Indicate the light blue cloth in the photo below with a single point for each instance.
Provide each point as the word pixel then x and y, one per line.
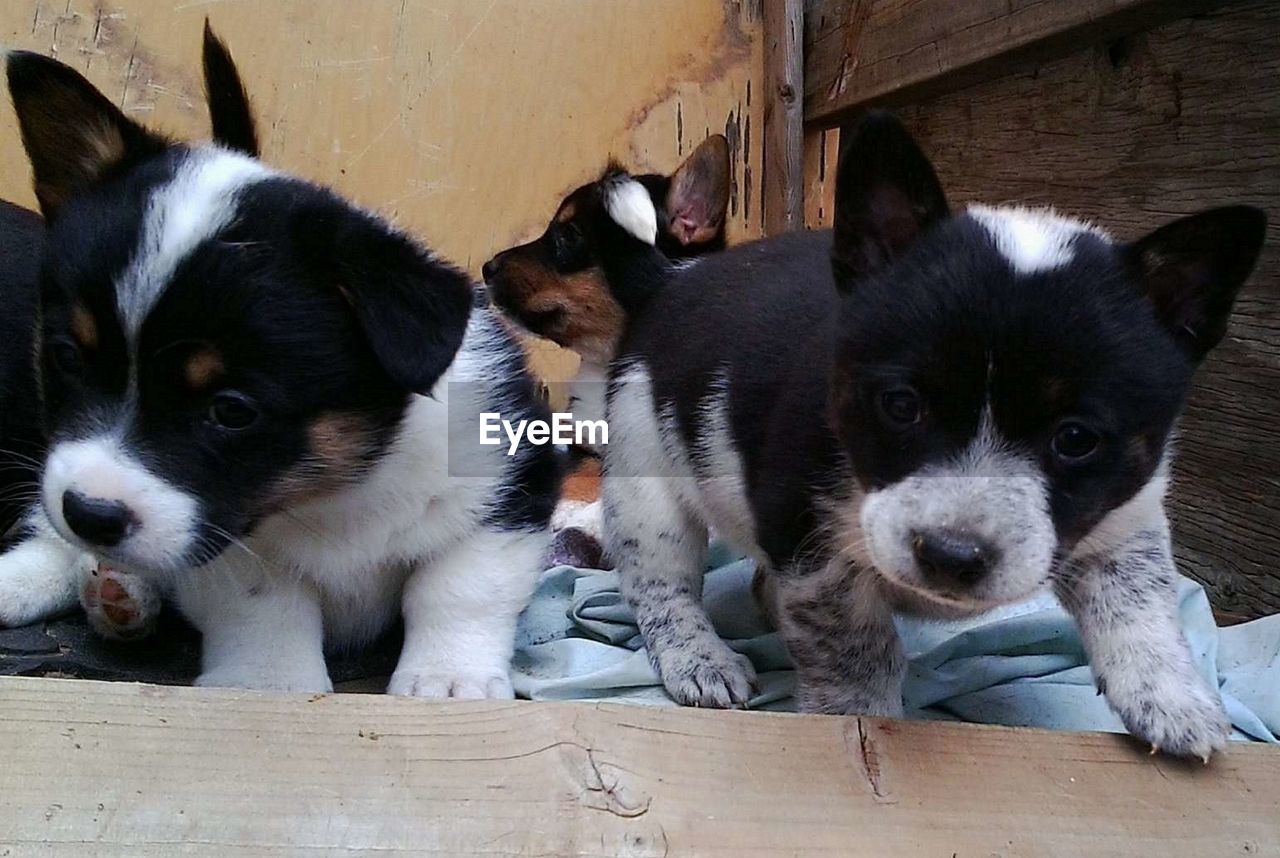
pixel 1022 665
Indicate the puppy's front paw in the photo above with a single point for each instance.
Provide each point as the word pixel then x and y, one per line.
pixel 459 684
pixel 266 677
pixel 38 580
pixel 713 676
pixel 119 606
pixel 1177 715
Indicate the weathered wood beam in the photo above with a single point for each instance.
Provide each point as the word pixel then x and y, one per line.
pixel 782 183
pixel 860 53
pixel 118 769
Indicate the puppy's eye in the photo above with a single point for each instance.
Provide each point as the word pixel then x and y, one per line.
pixel 66 355
pixel 233 411
pixel 1074 442
pixel 901 407
pixel 569 244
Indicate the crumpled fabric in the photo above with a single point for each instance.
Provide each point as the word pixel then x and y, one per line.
pixel 1021 665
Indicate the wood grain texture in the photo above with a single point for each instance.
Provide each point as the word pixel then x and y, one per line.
pixel 869 52
pixel 1132 134
pixel 783 115
pixel 465 120
pixel 821 154
pixel 110 769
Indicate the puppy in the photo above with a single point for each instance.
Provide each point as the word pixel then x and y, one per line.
pixel 118 605
pixel 268 401
pixel 926 411
pixel 579 282
pixel 576 284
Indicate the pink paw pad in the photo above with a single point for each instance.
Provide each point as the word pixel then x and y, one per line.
pixel 118 605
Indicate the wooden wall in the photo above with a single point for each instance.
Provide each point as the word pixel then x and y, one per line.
pixel 465 120
pixel 1132 133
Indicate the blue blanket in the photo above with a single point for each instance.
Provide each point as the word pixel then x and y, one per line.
pixel 1021 665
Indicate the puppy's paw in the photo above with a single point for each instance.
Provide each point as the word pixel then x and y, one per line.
pixel 1177 715
pixel 458 684
pixel 119 606
pixel 38 580
pixel 266 677
pixel 715 677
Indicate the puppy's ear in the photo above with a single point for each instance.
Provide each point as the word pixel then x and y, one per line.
pixel 1192 269
pixel 413 309
pixel 229 110
pixel 73 134
pixel 887 194
pixel 699 194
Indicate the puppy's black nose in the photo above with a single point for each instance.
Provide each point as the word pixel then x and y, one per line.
pixel 951 557
pixel 96 521
pixel 490 268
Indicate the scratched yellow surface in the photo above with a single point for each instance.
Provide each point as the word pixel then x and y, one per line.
pixel 465 120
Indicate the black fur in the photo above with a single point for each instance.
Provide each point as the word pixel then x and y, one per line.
pixel 229 110
pixel 74 135
pixel 21 246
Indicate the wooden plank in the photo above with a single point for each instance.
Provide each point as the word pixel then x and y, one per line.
pixel 821 154
pixel 783 115
pixel 116 769
pixel 1182 118
pixel 869 52
pixel 465 120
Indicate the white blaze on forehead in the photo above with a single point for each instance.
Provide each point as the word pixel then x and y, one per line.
pixel 631 208
pixel 1032 239
pixel 196 203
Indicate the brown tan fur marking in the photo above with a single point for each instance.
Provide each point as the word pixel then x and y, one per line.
pixel 84 328
pixel 204 368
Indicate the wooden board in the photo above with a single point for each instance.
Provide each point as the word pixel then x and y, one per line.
pixel 896 51
pixel 783 115
pixel 465 120
pixel 110 769
pixel 821 155
pixel 1132 134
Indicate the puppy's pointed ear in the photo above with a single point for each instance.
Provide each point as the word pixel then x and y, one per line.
pixel 887 194
pixel 229 110
pixel 412 308
pixel 699 194
pixel 1192 269
pixel 73 134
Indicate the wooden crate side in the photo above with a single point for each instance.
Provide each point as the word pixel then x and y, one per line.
pixel 117 769
pixel 897 51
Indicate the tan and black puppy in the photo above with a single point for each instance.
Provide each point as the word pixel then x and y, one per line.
pixel 576 284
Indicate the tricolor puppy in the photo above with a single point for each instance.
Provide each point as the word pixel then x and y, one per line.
pixel 593 267
pixel 249 389
pixel 981 405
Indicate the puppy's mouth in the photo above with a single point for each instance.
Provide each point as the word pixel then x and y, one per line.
pixel 949 601
pixel 546 323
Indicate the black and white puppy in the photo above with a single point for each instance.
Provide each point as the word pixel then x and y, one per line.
pixel 982 405
pixel 250 388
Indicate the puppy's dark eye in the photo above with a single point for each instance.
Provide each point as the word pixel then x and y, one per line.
pixel 569 245
pixel 233 411
pixel 66 355
pixel 901 407
pixel 1074 442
